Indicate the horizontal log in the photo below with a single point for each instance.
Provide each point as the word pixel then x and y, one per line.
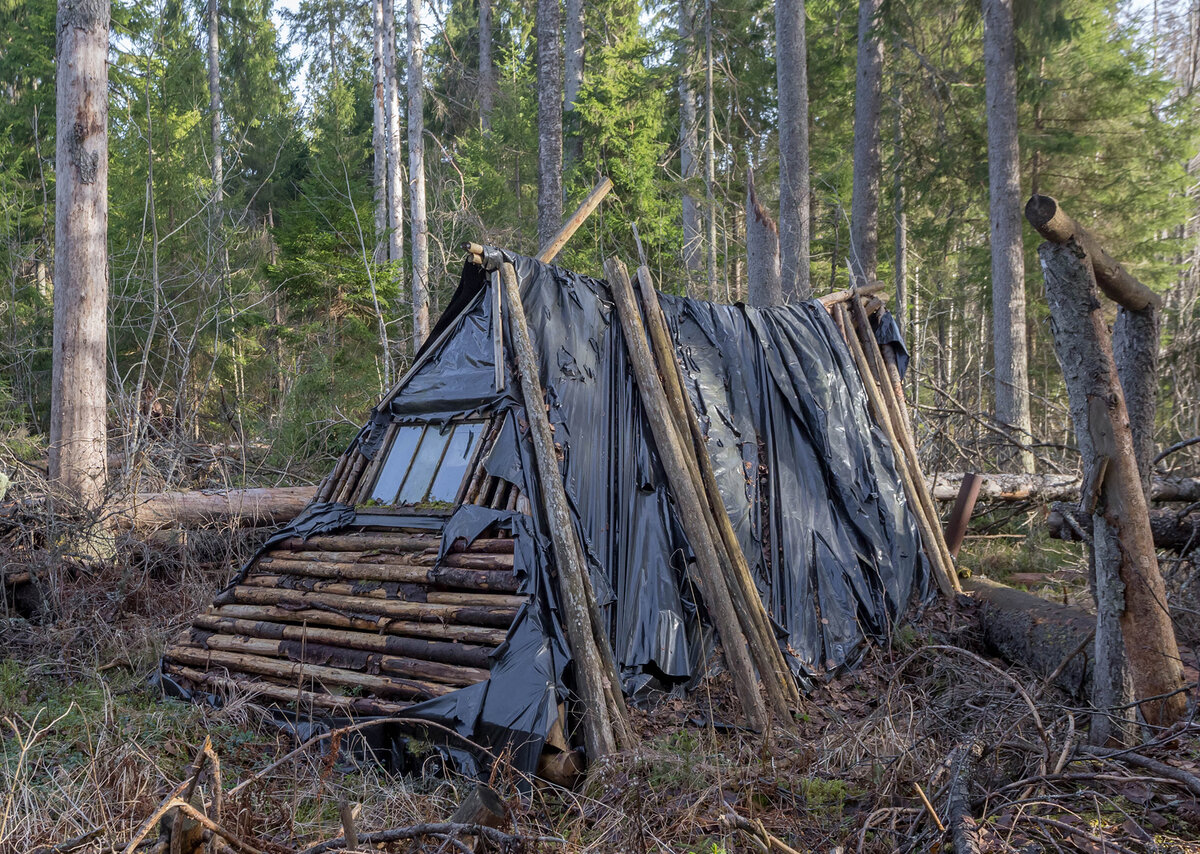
pixel 287 694
pixel 1171 533
pixel 364 622
pixel 242 594
pixel 1050 487
pixel 1035 633
pixel 309 651
pixel 464 655
pixel 386 590
pixel 501 581
pixel 424 558
pixel 394 542
pixel 240 507
pixel 296 672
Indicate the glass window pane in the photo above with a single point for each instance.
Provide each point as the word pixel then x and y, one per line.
pixel 424 466
pixel 400 454
pixel 454 464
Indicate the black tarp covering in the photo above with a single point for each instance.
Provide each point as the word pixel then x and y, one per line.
pixel 808 481
pixel 807 478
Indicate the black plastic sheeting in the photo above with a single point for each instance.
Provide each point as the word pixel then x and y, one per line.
pixel 807 478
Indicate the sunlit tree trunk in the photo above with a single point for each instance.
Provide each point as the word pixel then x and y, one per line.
pixel 395 154
pixel 78 402
pixel 1008 267
pixel 549 120
pixel 379 132
pixel 416 176
pixel 864 201
pixel 762 251
pixel 688 147
pixel 487 72
pixel 791 71
pixel 573 81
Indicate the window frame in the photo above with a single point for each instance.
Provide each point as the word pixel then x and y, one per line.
pixel 416 508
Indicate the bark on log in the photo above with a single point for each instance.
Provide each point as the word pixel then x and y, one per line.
pixel 1171 532
pixel 287 694
pixel 390 543
pixel 1035 633
pixel 499 618
pixel 461 654
pixel 1123 543
pixel 308 651
pixel 1051 487
pixel 596 679
pixel 1054 224
pixel 294 672
pixel 388 591
pixel 501 581
pixel 362 622
pixel 243 507
pixel 425 560
pixel 710 578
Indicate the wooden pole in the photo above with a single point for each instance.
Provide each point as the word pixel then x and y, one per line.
pixel 756 621
pixel 558 241
pixel 590 671
pixel 710 578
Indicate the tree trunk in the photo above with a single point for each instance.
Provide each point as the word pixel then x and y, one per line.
pixel 78 402
pixel 688 147
pixel 1008 269
pixel 395 171
pixel 864 200
pixel 791 74
pixel 573 149
pixel 416 177
pixel 549 120
pixel 710 156
pixel 762 251
pixel 1135 351
pixel 487 72
pixel 379 132
pixel 214 107
pixel 899 212
pixel 1123 542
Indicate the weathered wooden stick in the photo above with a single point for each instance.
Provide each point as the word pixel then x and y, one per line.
pixel 907 449
pixel 293 671
pixel 397 543
pixel 243 594
pixel 590 671
pixel 465 655
pixel 332 479
pixel 875 397
pixel 501 581
pixel 287 693
pixel 693 516
pixel 756 622
pixel 384 590
pixel 309 651
pixel 1123 541
pixel 830 300
pixel 550 251
pixel 231 506
pixel 490 561
pixel 1054 224
pixel 363 622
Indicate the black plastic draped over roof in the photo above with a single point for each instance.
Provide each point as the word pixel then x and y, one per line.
pixel 806 477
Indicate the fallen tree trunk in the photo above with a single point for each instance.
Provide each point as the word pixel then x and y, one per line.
pixel 1171 532
pixel 1050 487
pixel 1050 639
pixel 241 507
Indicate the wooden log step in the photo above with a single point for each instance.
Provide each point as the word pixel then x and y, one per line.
pixel 288 694
pixel 397 543
pixel 386 590
pixel 422 558
pixel 472 615
pixel 499 580
pixel 294 672
pixel 464 655
pixel 308 651
pixel 364 622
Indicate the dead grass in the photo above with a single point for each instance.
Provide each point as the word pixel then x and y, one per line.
pixel 87 744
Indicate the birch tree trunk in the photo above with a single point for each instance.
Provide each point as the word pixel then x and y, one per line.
pixel 549 120
pixel 395 172
pixel 791 73
pixel 573 148
pixel 688 147
pixel 864 199
pixel 78 401
pixel 379 132
pixel 1008 270
pixel 1128 584
pixel 214 107
pixel 487 72
pixel 762 251
pixel 416 176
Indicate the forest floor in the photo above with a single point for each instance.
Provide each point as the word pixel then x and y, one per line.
pixel 89 747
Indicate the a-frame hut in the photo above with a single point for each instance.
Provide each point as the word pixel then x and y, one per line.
pixel 421 582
